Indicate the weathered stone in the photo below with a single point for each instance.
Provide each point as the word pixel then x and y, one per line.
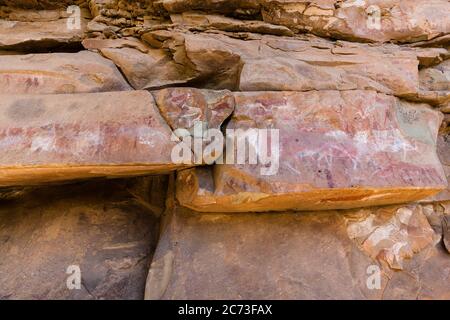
pixel 207 21
pixel 59 73
pixel 108 229
pixel 446 232
pixel 276 63
pixel 392 238
pixel 183 107
pixel 338 150
pixel 378 20
pixel 374 21
pixel 436 78
pixel 249 7
pixel 443 148
pixel 36 31
pixel 143 66
pixel 292 255
pixel 63 137
pixel 39 4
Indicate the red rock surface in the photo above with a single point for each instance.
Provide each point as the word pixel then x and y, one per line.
pixel 337 150
pixel 62 137
pixel 79 72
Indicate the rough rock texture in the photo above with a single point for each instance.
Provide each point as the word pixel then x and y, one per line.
pixel 37 31
pixel 303 256
pixel 355 20
pixel 183 107
pixel 337 150
pixel 219 61
pixel 62 137
pixel 39 4
pixel 350 84
pixel 108 229
pixel 361 20
pixel 79 72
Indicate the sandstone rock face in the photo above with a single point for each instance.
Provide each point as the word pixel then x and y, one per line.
pixel 356 20
pixel 104 228
pixel 54 137
pixel 79 72
pixel 219 61
pixel 182 107
pixel 337 150
pixel 38 4
pixel 304 256
pixel 36 31
pixel 377 20
pixel 446 232
pixel 305 145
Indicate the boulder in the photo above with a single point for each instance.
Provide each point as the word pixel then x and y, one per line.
pixel 292 255
pixel 51 73
pixel 63 137
pixel 322 150
pixel 105 230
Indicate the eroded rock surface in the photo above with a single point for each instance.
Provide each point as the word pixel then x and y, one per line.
pixel 63 137
pixel 350 85
pixel 304 256
pixel 41 30
pixel 106 228
pixel 183 107
pixel 337 150
pixel 79 72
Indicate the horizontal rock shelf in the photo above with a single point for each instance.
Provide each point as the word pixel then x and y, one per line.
pixel 39 31
pixel 219 61
pixel 338 150
pixel 47 138
pixel 79 72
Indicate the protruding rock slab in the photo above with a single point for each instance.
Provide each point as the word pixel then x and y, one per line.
pixel 39 31
pixel 337 150
pixel 266 63
pixel 106 228
pixel 308 255
pixel 79 72
pixel 63 137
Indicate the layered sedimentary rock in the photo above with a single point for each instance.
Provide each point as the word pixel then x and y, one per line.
pixel 346 88
pixel 105 230
pixel 79 72
pixel 335 150
pixel 62 137
pixel 264 63
pixel 41 30
pixel 309 255
pixel 361 20
pixel 39 4
pixel 355 20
